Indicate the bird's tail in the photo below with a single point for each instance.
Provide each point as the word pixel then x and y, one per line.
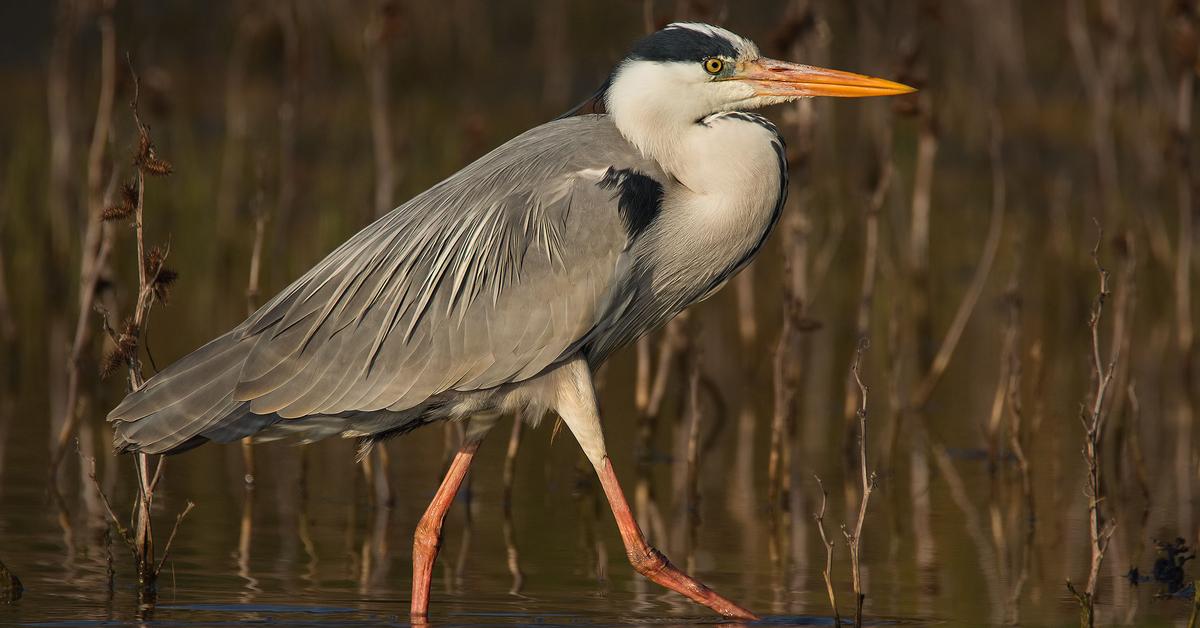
pixel 188 403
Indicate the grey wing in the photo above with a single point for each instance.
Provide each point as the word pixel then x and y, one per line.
pixel 487 278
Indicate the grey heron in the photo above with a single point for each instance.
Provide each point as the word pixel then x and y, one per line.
pixel 501 289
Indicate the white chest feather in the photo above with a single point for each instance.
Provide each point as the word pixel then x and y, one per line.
pixel 727 198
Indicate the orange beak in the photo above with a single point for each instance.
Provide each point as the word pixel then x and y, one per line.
pixel 780 78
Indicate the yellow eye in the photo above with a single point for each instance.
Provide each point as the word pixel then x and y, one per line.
pixel 713 65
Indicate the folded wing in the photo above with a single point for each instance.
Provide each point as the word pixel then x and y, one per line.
pixel 487 278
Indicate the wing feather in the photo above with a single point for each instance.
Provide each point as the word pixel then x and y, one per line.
pixel 487 278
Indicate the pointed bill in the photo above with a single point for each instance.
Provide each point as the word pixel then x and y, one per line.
pixel 780 78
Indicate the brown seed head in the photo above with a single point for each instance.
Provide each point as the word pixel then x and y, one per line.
pixel 126 206
pixel 147 158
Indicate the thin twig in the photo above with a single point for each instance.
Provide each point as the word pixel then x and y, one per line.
pixel 827 573
pixel 167 548
pixel 1099 530
pixel 854 539
pixel 116 521
pixel 862 322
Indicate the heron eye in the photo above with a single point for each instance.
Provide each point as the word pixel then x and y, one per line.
pixel 713 65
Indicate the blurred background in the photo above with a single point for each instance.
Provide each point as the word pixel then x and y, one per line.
pixel 958 229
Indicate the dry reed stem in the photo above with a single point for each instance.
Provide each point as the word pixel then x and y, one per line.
pixel 97 240
pixel 90 465
pixel 376 57
pixel 827 572
pixel 1100 70
pixel 854 539
pixel 694 417
pixel 653 383
pixel 58 118
pixel 1000 395
pixel 970 300
pixel 252 281
pixel 233 151
pixel 143 535
pixel 796 37
pixel 1186 47
pixel 747 319
pixel 1099 530
pixel 673 342
pixel 1016 425
pixel 509 474
pixel 927 148
pixel 1134 444
pixel 287 113
pixel 641 385
pixel 511 551
pixel 784 387
pixel 8 324
pixel 894 381
pixel 153 280
pixel 862 325
pixel 171 537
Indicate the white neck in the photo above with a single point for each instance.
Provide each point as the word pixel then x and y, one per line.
pixel 652 119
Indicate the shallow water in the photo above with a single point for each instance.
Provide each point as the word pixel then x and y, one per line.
pixel 308 550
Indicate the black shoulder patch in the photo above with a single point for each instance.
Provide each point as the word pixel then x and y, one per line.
pixel 639 198
pixel 676 43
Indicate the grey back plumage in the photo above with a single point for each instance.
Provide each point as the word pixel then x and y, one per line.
pixel 514 263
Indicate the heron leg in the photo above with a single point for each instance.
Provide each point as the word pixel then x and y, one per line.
pixel 576 404
pixel 428 537
pixel 650 562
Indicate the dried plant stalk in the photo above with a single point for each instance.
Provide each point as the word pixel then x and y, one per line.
pixel 510 462
pixel 233 151
pixel 694 417
pixel 1100 530
pixel 376 56
pixel 97 238
pixel 854 539
pixel 785 364
pixel 1016 425
pixel 862 323
pixel 970 300
pixel 827 572
pixel 1186 43
pixel 154 281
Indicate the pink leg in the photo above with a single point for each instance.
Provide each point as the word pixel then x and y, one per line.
pixel 428 536
pixel 653 565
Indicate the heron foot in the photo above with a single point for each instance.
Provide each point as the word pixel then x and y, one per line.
pixel 651 563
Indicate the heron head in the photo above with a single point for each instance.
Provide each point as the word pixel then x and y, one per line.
pixel 688 70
